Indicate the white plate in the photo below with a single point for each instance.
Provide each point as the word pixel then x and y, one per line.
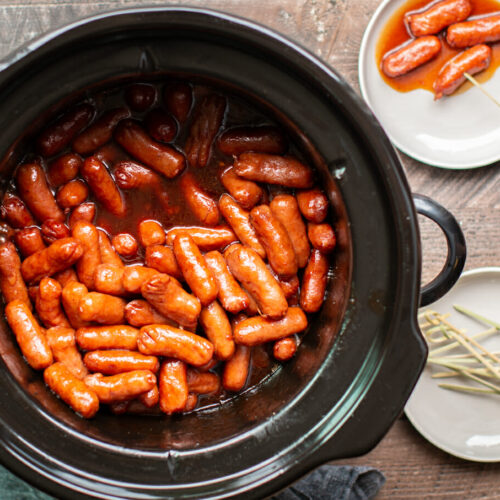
pixel 464 425
pixel 462 131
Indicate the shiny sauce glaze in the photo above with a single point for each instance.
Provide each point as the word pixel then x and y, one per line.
pixel 395 34
pixel 167 205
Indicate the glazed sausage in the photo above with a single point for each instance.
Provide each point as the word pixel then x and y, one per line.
pixel 125 244
pixel 57 257
pixel 208 366
pixel 249 269
pixel 162 259
pixel 122 386
pixel 314 282
pixel 313 205
pixel 135 276
pixel 71 390
pixel 84 212
pixel 151 398
pixel 239 220
pixel 103 186
pixel 108 254
pixel 141 313
pixel 132 407
pixel 102 308
pixel 132 175
pixel 34 191
pixel 246 193
pixel 29 335
pixel 201 204
pixel 48 304
pixel 66 276
pixel 260 356
pixel 161 126
pixel 86 233
pixel 72 293
pixel 119 361
pixel 108 278
pixel 206 238
pixel 64 169
pixel 263 139
pixel 178 99
pixel 285 349
pixel 253 308
pixel 286 209
pixel 202 382
pixel 272 169
pixel 437 16
pixel 12 284
pixel 140 96
pixel 484 29
pixel 410 55
pixel 165 340
pixel 63 345
pixel 290 286
pixel 208 117
pixel 160 157
pixel 322 237
pixel 92 338
pixel 14 211
pixel 275 240
pixel 151 232
pixel 29 241
pixel 231 296
pixel 258 330
pixel 60 133
pixel 166 295
pixel 451 75
pixel 173 386
pixel 235 374
pixel 194 269
pixel 72 194
pixel 217 328
pixel 53 230
pixel 100 132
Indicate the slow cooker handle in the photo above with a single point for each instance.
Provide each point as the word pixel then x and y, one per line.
pixel 457 251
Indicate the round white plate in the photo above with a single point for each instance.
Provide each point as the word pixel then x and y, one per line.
pixel 462 131
pixel 462 424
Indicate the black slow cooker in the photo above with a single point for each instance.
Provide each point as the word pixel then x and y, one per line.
pixel 361 356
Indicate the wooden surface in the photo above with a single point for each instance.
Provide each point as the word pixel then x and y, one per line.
pixel 333 29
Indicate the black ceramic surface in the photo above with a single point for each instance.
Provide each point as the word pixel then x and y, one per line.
pixel 342 392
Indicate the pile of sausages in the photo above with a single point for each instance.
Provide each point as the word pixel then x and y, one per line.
pixel 147 336
pixel 424 25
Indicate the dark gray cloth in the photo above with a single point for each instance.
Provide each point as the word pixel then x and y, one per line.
pixel 14 488
pixel 326 482
pixel 336 482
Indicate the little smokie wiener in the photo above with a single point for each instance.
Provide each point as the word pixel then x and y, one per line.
pixel 161 251
pixel 454 33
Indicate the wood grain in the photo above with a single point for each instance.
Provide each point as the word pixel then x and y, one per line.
pixel 333 29
pixel 415 469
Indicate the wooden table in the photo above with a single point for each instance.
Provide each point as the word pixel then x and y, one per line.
pixel 333 29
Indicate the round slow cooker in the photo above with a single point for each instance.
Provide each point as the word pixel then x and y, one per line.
pixel 363 352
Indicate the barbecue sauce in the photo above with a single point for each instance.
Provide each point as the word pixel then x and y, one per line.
pixel 395 33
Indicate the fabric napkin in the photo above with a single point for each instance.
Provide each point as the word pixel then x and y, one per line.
pixel 336 482
pixel 326 482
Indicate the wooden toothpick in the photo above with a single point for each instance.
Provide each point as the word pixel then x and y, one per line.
pixel 481 88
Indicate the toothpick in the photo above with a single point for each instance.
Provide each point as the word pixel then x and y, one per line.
pixel 476 316
pixel 466 388
pixel 476 344
pixel 482 372
pixel 480 87
pixel 452 346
